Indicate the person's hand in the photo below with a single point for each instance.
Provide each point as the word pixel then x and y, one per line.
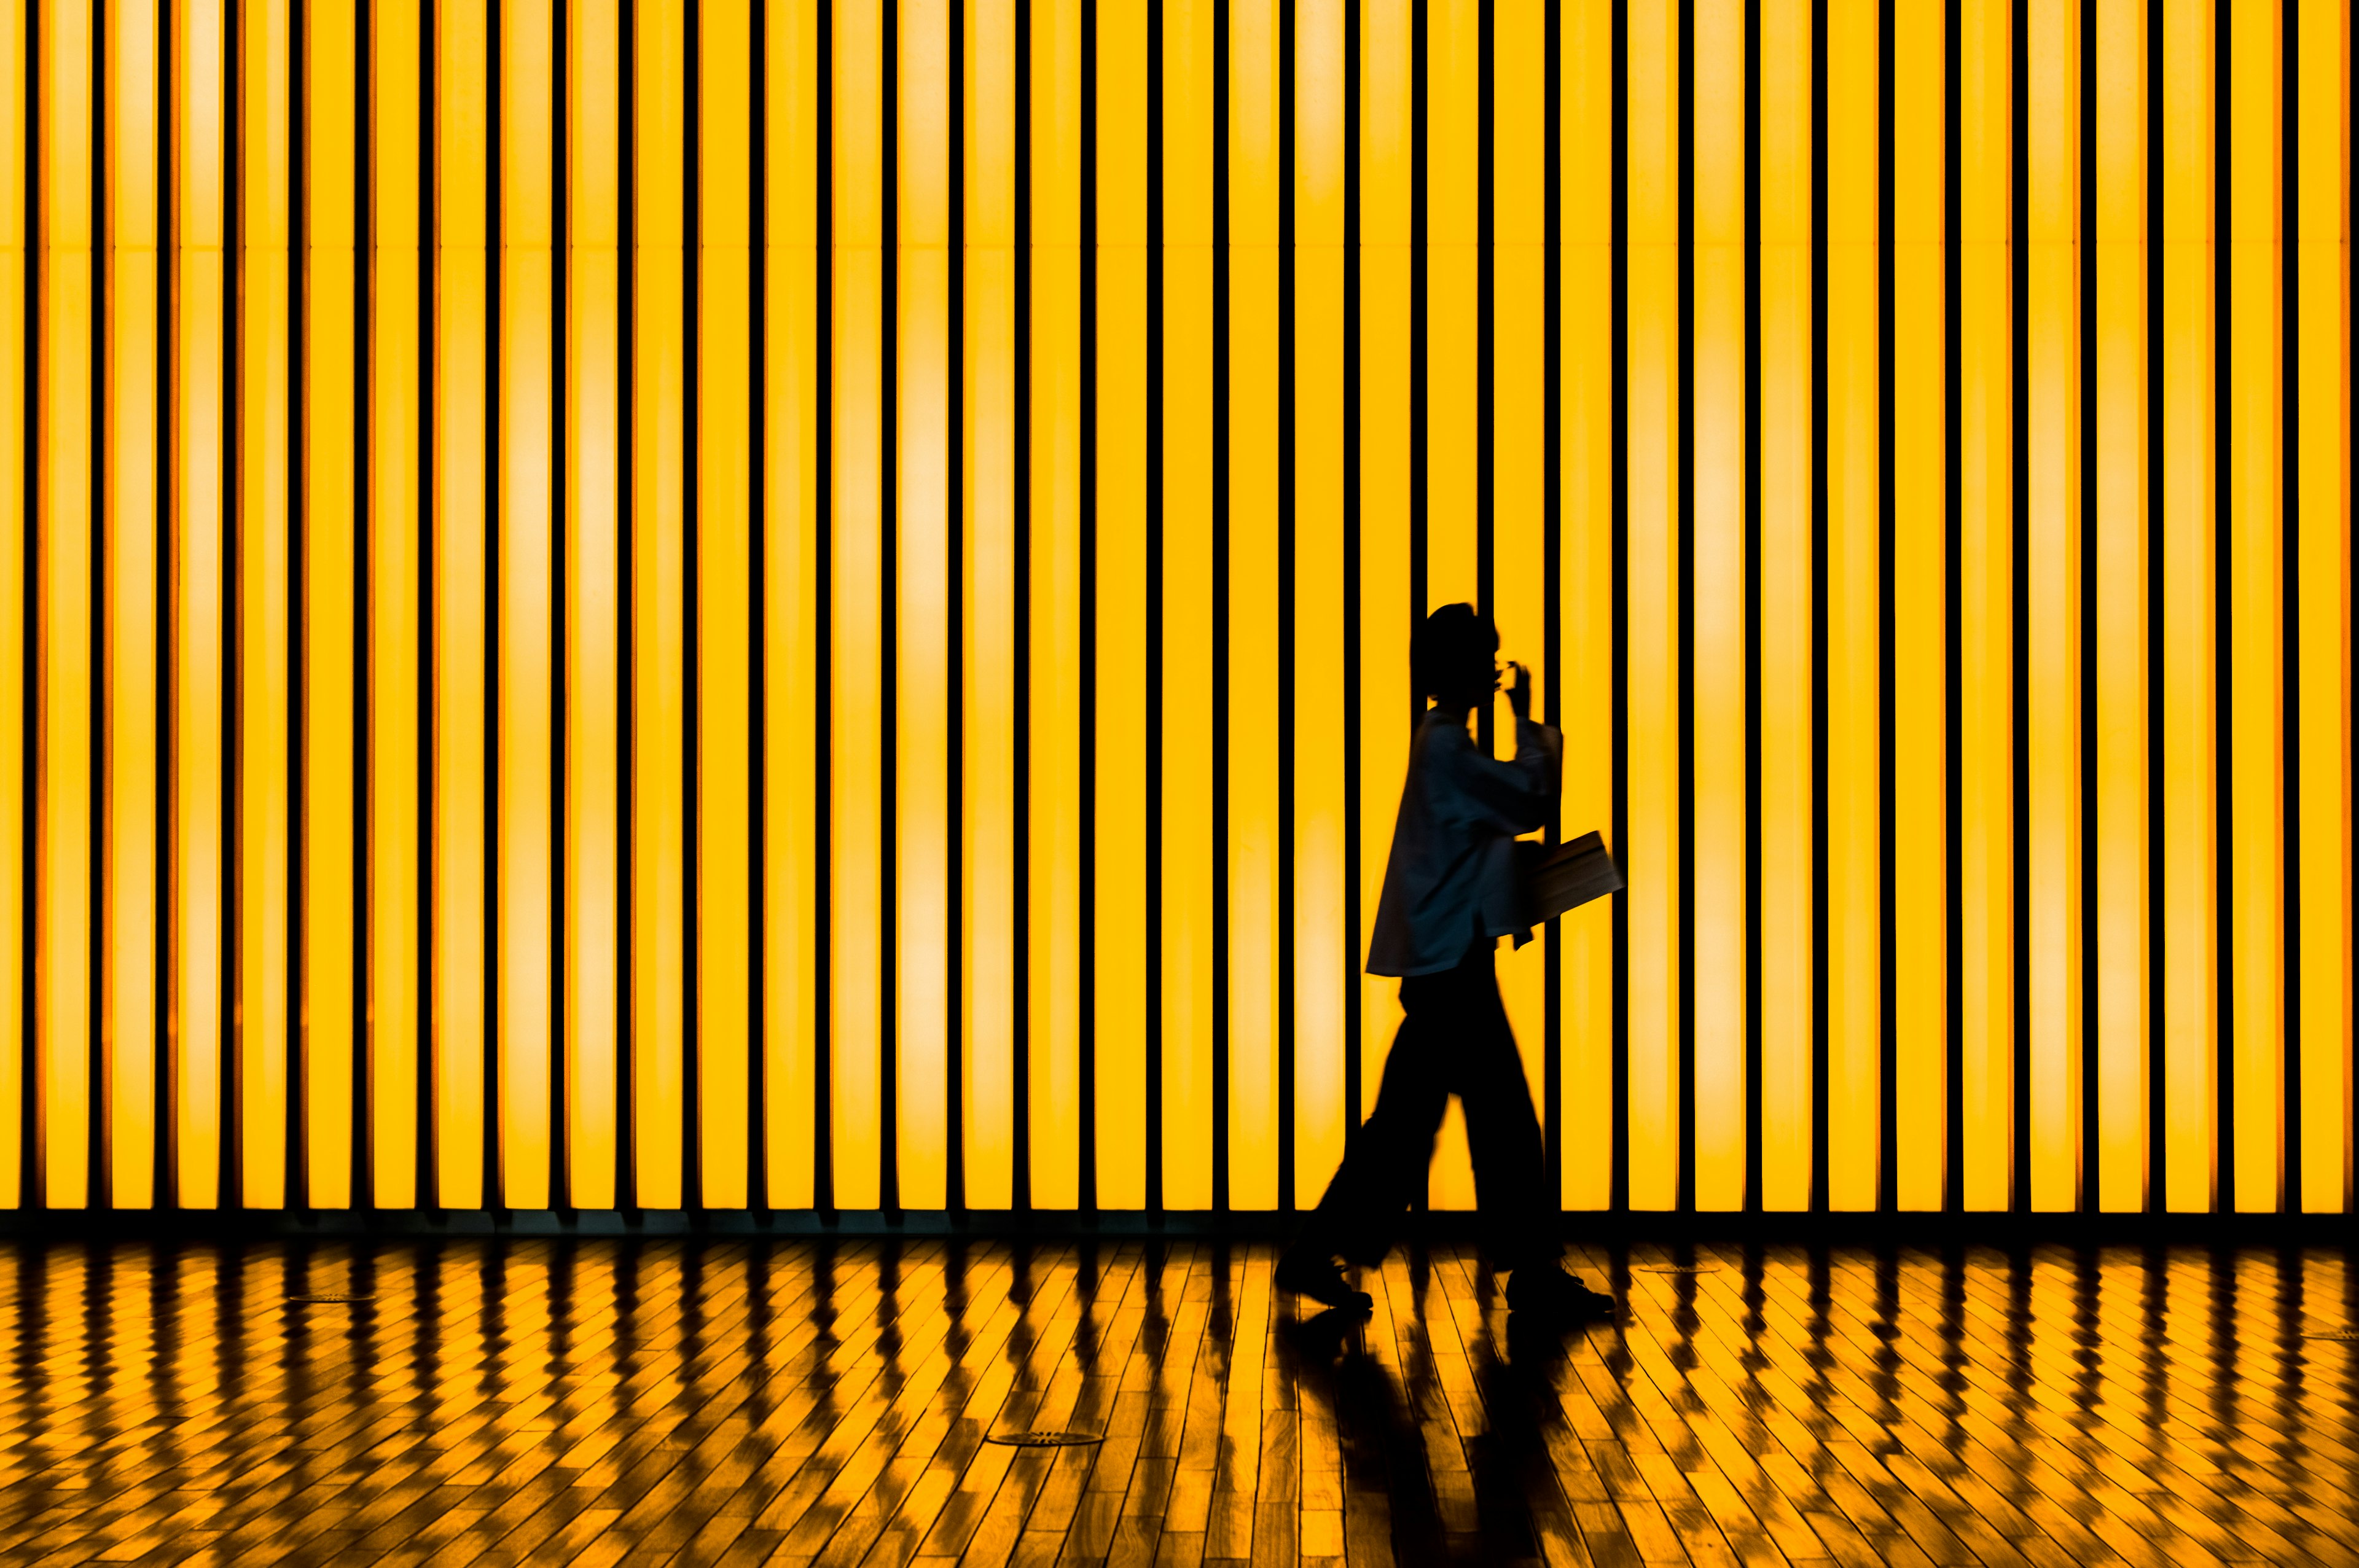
pixel 1519 690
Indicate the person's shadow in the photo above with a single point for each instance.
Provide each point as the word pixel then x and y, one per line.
pixel 1384 1424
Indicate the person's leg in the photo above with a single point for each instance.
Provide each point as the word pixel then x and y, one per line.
pixel 1519 1213
pixel 1360 1210
pixel 1502 1134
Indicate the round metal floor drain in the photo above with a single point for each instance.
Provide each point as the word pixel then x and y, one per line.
pixel 1046 1439
pixel 323 1299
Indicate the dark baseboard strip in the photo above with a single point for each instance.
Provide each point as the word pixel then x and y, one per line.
pixel 1612 1230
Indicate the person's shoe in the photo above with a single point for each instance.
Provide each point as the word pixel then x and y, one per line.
pixel 1319 1280
pixel 1548 1290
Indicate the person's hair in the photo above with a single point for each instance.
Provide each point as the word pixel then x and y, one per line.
pixel 1450 654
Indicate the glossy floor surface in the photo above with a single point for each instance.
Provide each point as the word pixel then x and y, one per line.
pixel 687 1403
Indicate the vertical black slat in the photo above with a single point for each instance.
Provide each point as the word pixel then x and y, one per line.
pixel 953 1012
pixel 2157 480
pixel 428 1150
pixel 1753 891
pixel 692 1117
pixel 1287 982
pixel 560 1087
pixel 232 445
pixel 2085 228
pixel 757 1084
pixel 1420 356
pixel 823 618
pixel 2019 600
pixel 1223 282
pixel 167 1150
pixel 1552 568
pixel 1887 1138
pixel 888 678
pixel 2223 682
pixel 1155 618
pixel 299 432
pixel 1487 353
pixel 494 1183
pixel 101 1116
pixel 428 286
pixel 2290 1108
pixel 1020 440
pixel 1820 1052
pixel 363 1128
pixel 626 1108
pixel 1683 631
pixel 1289 281
pixel 1619 1196
pixel 1420 360
pixel 1354 913
pixel 1086 1113
pixel 1953 1095
pixel 28 1130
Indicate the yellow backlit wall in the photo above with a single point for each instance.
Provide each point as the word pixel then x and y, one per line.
pixel 805 604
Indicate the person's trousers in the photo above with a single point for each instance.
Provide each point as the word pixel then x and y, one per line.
pixel 1455 1041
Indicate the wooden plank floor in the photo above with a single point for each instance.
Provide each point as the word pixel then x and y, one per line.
pixel 828 1404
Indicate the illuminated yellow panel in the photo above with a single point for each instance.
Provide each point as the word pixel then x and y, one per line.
pixel 2120 380
pixel 1717 789
pixel 1184 837
pixel 200 629
pixel 855 740
pixel 1452 269
pixel 1585 590
pixel 330 622
pixel 921 829
pixel 2324 393
pixel 1650 860
pixel 989 978
pixel 265 634
pixel 1256 834
pixel 1986 601
pixel 1325 965
pixel 1854 651
pixel 2188 952
pixel 594 607
pixel 135 810
pixel 460 824
pixel 2256 746
pixel 66 468
pixel 530 450
pixel 15 278
pixel 1918 655
pixel 2052 727
pixel 790 591
pixel 397 820
pixel 1386 703
pixel 1452 365
pixel 725 606
pixel 1788 592
pixel 1119 515
pixel 659 547
pixel 1059 519
pixel 1519 584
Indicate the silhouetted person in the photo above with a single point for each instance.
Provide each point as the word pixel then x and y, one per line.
pixel 1450 892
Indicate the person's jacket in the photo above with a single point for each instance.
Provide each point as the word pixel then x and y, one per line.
pixel 1452 875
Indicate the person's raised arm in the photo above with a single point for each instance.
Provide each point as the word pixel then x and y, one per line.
pixel 1510 797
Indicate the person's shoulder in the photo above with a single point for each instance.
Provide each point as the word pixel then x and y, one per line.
pixel 1436 729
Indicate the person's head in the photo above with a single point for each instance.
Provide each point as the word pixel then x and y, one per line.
pixel 1454 657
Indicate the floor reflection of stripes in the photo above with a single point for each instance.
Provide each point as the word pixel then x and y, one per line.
pixel 830 1402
